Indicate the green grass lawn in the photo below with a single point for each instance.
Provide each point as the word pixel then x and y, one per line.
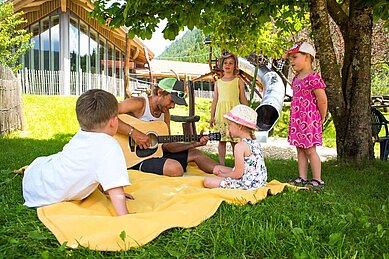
pixel 349 219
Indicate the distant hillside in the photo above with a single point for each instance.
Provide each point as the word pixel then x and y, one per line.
pixel 189 48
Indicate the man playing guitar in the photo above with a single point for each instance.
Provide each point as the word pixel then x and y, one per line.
pixel 155 107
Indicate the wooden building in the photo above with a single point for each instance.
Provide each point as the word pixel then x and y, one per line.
pixel 72 52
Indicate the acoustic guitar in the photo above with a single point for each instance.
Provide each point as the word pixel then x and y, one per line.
pixel 158 133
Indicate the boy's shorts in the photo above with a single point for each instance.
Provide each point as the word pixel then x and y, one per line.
pixel 155 165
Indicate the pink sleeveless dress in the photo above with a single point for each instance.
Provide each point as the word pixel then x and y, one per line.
pixel 305 125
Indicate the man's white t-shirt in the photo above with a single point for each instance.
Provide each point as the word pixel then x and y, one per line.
pixel 89 159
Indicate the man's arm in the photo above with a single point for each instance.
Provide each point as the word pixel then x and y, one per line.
pixel 129 106
pixel 134 106
pixel 118 199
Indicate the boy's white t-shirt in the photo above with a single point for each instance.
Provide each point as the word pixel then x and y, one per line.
pixel 74 173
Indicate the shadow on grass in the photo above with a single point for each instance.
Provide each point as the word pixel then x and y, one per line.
pixel 18 152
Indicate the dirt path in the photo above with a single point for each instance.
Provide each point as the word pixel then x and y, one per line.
pixel 277 148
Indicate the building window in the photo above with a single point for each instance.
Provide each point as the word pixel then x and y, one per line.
pixel 84 47
pixel 27 60
pixel 34 52
pixel 73 44
pixel 89 52
pixel 94 52
pixel 110 60
pixel 45 43
pixel 119 64
pixel 45 52
pixel 55 43
pixel 103 55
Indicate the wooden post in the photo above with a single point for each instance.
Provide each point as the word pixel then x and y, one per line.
pixel 150 69
pixel 19 108
pixel 127 56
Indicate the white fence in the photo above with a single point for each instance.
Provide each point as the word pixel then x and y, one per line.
pixel 209 94
pixel 203 94
pixel 44 82
pixel 41 82
pixel 51 82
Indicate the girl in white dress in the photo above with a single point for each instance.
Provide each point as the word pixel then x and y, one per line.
pixel 249 171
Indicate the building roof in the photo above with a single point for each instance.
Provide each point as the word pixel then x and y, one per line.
pixel 162 68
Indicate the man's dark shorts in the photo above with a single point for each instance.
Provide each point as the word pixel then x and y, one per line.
pixel 155 165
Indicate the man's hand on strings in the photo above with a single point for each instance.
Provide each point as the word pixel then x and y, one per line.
pixel 141 139
pixel 203 140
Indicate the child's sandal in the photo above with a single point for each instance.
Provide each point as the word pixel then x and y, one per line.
pixel 298 181
pixel 315 185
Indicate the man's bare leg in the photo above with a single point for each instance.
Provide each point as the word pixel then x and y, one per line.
pixel 204 162
pixel 173 168
pixel 222 151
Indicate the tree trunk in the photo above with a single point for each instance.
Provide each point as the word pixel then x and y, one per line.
pixel 330 69
pixel 355 143
pixel 348 89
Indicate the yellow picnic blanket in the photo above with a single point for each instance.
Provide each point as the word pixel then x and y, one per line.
pixel 160 203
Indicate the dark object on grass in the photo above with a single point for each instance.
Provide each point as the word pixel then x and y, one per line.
pixel 298 181
pixel 378 121
pixel 315 185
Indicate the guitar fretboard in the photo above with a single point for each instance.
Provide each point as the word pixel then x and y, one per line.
pixel 187 138
pixel 177 138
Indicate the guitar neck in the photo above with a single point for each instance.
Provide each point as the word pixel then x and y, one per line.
pixel 178 138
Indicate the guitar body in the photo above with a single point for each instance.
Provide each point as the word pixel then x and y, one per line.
pixel 158 133
pixel 132 153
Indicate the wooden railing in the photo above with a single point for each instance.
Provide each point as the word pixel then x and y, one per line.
pixel 11 115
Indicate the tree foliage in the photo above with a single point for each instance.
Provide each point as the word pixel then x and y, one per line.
pixel 242 27
pixel 14 42
pixel 245 26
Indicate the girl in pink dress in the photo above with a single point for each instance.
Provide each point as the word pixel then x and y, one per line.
pixel 307 113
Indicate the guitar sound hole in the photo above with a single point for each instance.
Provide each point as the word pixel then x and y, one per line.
pixel 152 149
pixel 145 152
pixel 153 140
